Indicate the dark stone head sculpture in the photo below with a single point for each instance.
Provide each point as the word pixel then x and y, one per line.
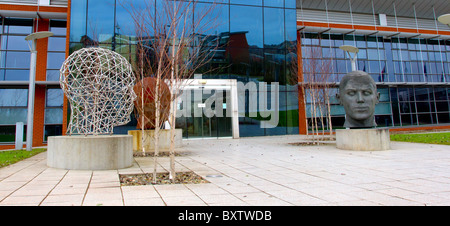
pixel 358 94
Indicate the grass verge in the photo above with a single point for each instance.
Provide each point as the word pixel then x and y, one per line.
pixel 11 157
pixel 428 138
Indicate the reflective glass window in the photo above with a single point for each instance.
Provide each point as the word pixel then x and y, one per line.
pixel 274 3
pixel 17 59
pixel 273 29
pixel 100 27
pixel 13 42
pixel 290 3
pixel 16 74
pixel 58 27
pixel 52 130
pixel 212 20
pixel 56 44
pixel 9 116
pixel 55 98
pixel 78 20
pixel 274 66
pixel 53 116
pixel 247 21
pixel 247 2
pixel 13 97
pixel 18 26
pixel 127 12
pixel 55 60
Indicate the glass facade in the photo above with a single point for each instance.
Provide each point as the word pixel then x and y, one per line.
pixel 410 74
pixel 15 67
pixel 257 44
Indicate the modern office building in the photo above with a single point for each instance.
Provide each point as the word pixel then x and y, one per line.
pixel 291 43
pixel 17 20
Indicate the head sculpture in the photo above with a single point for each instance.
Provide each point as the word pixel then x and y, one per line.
pixel 358 94
pixel 147 113
pixel 99 86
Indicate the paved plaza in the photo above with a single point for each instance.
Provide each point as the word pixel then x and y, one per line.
pixel 255 171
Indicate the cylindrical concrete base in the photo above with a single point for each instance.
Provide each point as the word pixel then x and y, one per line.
pixel 377 139
pixel 102 152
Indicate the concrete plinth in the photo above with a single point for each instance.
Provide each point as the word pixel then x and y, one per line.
pixel 102 152
pixel 149 142
pixel 376 139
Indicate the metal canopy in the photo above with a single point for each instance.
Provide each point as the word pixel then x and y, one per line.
pixel 403 8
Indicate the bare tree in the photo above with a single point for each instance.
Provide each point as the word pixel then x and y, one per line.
pixel 317 72
pixel 173 42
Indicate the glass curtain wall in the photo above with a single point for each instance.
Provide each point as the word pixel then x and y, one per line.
pixel 14 66
pixel 257 44
pixel 415 69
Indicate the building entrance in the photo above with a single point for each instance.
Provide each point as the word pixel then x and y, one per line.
pixel 208 111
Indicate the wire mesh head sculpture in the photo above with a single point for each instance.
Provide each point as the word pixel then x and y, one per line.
pixel 99 86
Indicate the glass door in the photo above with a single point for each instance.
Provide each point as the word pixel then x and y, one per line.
pixel 205 121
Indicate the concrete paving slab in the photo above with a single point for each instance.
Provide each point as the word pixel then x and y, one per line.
pixel 261 171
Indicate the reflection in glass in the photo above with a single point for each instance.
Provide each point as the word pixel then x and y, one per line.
pixel 247 2
pixel 274 3
pixel 273 32
pixel 247 20
pixel 100 26
pixel 17 74
pixel 78 20
pixel 53 116
pixel 12 42
pixel 9 116
pixel 52 130
pixel 54 98
pixel 56 43
pixel 13 97
pixel 17 59
pixel 18 26
pixel 55 60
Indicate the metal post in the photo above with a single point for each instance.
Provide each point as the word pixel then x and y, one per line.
pixel 32 83
pixel 353 61
pixel 31 88
pixel 19 136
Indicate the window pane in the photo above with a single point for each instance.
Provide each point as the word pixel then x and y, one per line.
pixel 274 66
pixel 52 130
pixel 52 75
pixel 442 106
pixel 55 98
pixel 18 26
pixel 13 97
pixel 55 60
pixel 12 42
pixel 8 133
pixel 78 20
pixel 101 21
pixel 246 26
pixel 9 116
pixel 17 59
pixel 383 109
pixel 53 115
pixel 215 22
pixel 247 2
pixel 290 3
pixel 56 44
pixel 273 27
pixel 17 75
pixel 274 3
pixel 58 27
